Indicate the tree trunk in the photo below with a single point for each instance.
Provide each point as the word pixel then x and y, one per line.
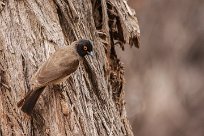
pixel 91 101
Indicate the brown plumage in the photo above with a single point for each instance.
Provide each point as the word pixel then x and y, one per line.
pixel 55 70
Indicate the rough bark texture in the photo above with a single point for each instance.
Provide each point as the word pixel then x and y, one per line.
pixel 91 101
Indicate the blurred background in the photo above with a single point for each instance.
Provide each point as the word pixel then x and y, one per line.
pixel 165 77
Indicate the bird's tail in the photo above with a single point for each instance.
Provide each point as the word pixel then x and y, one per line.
pixel 28 102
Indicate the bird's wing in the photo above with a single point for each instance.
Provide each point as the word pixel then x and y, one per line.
pixel 61 64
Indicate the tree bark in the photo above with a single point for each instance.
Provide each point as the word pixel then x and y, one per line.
pixel 91 102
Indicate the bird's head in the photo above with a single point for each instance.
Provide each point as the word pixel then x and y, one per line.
pixel 84 47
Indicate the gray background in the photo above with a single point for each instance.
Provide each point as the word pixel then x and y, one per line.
pixel 165 77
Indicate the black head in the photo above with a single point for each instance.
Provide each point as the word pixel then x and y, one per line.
pixel 84 47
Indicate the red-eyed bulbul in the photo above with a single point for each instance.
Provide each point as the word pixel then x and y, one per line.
pixel 54 70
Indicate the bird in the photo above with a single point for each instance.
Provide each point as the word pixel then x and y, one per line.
pixel 55 70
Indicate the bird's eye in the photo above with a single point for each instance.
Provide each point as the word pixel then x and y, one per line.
pixel 85 48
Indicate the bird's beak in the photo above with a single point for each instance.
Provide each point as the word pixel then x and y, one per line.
pixel 91 53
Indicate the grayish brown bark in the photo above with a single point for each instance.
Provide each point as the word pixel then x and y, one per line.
pixel 91 101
